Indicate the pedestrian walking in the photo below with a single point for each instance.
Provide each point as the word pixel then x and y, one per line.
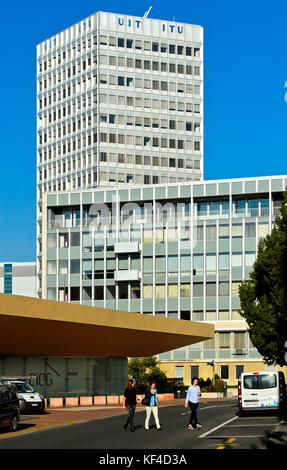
pixel 130 403
pixel 152 407
pixel 192 401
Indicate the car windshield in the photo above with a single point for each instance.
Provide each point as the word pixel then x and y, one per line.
pixel 24 388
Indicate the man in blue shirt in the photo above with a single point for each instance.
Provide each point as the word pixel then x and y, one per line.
pixel 192 400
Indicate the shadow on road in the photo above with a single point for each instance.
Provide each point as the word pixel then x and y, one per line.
pixel 21 427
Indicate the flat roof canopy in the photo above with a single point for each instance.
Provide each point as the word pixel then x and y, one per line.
pixel 30 326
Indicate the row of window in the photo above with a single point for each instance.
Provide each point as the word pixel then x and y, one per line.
pixel 225 372
pixel 155 66
pixel 122 139
pixel 112 41
pixel 123 101
pixel 152 46
pixel 155 85
pixel 105 177
pixel 66 74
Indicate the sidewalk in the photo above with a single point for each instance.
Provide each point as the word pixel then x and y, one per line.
pixel 66 416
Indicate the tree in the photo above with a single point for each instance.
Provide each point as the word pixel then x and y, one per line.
pixel 263 297
pixel 147 370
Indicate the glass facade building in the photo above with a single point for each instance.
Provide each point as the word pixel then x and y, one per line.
pixel 179 251
pixel 70 376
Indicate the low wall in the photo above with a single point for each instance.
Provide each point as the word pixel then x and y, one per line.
pixel 111 400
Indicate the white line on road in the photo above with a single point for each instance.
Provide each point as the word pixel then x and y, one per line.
pixel 234 435
pixel 199 409
pixel 248 425
pixel 217 427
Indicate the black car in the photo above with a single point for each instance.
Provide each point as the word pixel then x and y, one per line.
pixel 9 407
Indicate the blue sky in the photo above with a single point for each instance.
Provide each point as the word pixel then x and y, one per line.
pixel 245 70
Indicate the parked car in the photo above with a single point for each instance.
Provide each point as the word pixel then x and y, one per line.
pixel 261 391
pixel 29 399
pixel 9 407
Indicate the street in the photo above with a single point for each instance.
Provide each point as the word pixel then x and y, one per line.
pixel 222 428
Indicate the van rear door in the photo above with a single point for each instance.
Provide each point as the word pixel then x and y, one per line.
pixel 269 390
pixel 260 390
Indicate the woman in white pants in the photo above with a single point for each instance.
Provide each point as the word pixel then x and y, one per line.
pixel 152 407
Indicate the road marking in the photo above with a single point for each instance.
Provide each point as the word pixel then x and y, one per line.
pixel 236 435
pixel 33 429
pixel 199 409
pixel 248 425
pixel 229 443
pixel 217 427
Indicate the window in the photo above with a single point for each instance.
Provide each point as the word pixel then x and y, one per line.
pixel 239 340
pixel 147 291
pixel 121 81
pixel 250 257
pixel 223 231
pixel 198 289
pixel 172 290
pixel 211 289
pixel 224 340
pixel 237 230
pixel 224 372
pixel 235 287
pixel 75 293
pixel 179 372
pixel 237 259
pixel 209 344
pixel 198 263
pixel 211 263
pixel 250 230
pixel 238 371
pixel 263 229
pixel 223 261
pixel 223 288
pixel 185 290
pixel 211 232
pixel 121 42
pixel 172 265
pixel 172 49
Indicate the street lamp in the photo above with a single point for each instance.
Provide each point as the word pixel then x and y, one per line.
pixel 212 363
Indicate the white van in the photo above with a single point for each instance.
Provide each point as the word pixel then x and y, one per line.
pixel 29 399
pixel 261 390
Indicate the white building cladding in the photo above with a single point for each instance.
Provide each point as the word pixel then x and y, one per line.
pixel 18 278
pixel 120 101
pixel 168 250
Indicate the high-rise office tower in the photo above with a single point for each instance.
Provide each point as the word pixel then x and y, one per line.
pixel 119 102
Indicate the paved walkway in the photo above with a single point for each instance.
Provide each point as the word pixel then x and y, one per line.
pixel 66 416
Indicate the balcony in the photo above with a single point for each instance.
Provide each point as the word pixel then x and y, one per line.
pixel 127 275
pixel 127 247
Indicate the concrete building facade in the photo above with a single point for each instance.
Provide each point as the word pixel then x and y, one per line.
pixel 18 278
pixel 178 251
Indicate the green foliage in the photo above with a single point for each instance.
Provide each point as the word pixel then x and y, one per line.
pixel 263 297
pixel 209 387
pixel 146 370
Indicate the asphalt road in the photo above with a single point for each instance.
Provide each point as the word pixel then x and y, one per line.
pixel 221 428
